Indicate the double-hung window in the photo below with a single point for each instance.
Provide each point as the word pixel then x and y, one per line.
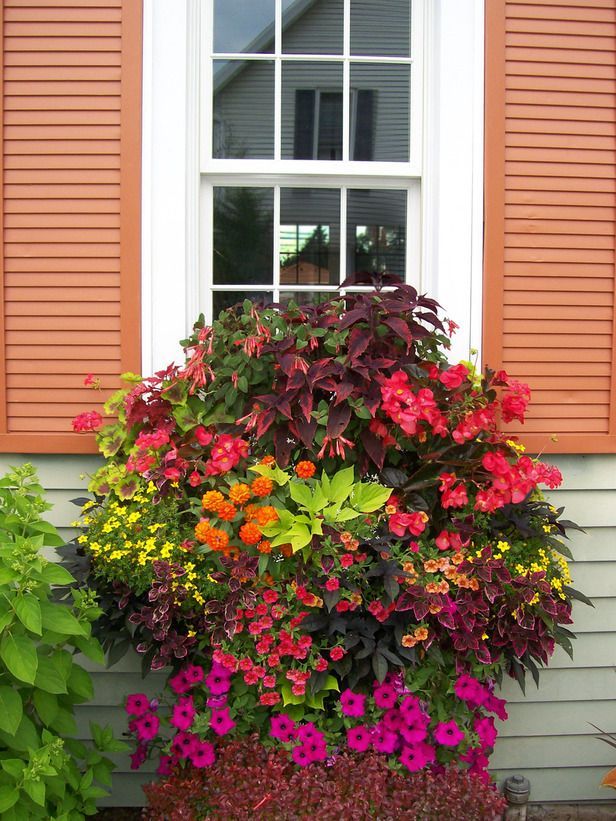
pixel 311 152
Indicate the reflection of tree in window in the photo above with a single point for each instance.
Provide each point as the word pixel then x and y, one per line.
pixel 380 248
pixel 304 254
pixel 243 235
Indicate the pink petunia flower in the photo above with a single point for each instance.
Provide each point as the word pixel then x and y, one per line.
pixel 202 755
pixel 184 744
pixel 282 727
pixel 385 697
pixel 221 722
pixel 146 726
pixel 137 704
pixel 448 734
pixel 183 713
pixel 301 756
pixel 415 757
pixel 383 740
pixel 352 704
pixel 359 738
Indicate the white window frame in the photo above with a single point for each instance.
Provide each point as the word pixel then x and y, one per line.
pixel 445 183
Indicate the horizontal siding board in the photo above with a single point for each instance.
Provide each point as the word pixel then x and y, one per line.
pixel 572 786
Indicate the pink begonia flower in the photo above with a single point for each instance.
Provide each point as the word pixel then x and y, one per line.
pixel 448 734
pixel 454 376
pixel 88 421
pixel 203 436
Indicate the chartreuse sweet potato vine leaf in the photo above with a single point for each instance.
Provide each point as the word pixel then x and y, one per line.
pixel 326 501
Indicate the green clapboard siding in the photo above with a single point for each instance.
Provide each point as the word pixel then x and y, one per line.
pixel 548 737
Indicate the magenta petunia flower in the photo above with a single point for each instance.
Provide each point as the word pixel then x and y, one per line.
pixel 385 696
pixel 282 727
pixel 383 740
pixel 410 707
pixel 393 720
pixel 165 765
pixel 497 706
pixel 352 704
pixel 301 756
pixel 138 757
pixel 485 729
pixel 469 689
pixel 359 738
pixel 317 749
pixel 146 726
pixel 194 673
pixel 448 734
pixel 416 730
pixel 137 704
pixel 183 713
pixel 308 732
pixel 415 757
pixel 218 680
pixel 202 755
pixel 180 683
pixel 221 722
pixel 184 743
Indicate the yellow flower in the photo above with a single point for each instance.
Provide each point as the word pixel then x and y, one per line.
pixel 134 516
pixel 503 547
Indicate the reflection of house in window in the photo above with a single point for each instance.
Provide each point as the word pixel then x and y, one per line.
pixel 318 124
pixel 304 254
pixel 380 248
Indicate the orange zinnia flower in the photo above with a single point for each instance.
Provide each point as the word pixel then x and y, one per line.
pixel 239 494
pixel 250 533
pixel 212 500
pixel 250 512
pixel 202 529
pixel 264 546
pixel 265 515
pixel 217 539
pixel 305 469
pixel 268 461
pixel 227 511
pixel 262 486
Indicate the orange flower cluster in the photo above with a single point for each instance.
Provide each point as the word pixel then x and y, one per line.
pixel 234 507
pixel 305 469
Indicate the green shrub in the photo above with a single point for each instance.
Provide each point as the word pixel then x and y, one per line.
pixel 44 773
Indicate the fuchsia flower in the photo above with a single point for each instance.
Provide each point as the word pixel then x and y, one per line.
pixel 218 680
pixel 183 713
pixel 221 722
pixel 202 754
pixel 448 734
pixel 385 696
pixel 137 704
pixel 146 726
pixel 383 740
pixel 469 689
pixel 359 738
pixel 301 756
pixel 416 756
pixel 165 765
pixel 282 727
pixel 184 744
pixel 352 704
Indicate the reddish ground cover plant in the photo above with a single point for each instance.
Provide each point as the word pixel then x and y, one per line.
pixel 251 782
pixel 317 521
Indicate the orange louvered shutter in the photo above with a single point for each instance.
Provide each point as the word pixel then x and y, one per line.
pixel 550 144
pixel 70 266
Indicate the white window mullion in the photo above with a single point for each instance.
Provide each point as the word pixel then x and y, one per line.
pixel 207 249
pixel 207 83
pixel 276 271
pixel 343 233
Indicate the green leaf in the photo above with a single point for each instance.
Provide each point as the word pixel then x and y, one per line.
pixel 52 537
pixel 64 723
pixel 379 666
pixel 274 473
pixel 53 573
pixel 341 485
pixel 288 697
pixel 369 496
pixel 91 648
pixel 28 611
pixel 80 683
pixel 6 619
pixel 7 575
pixel 301 494
pixel 13 766
pixel 19 655
pixel 331 683
pixel 9 796
pixel 46 705
pixel 334 514
pixel 36 791
pixel 11 709
pixel 51 677
pixel 26 738
pixel 59 619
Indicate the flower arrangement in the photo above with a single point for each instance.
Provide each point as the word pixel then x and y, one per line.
pixel 370 604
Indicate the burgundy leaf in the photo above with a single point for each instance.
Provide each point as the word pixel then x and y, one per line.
pixel 265 421
pixel 339 418
pixel 306 401
pixel 351 317
pixel 358 342
pixel 283 445
pixel 420 609
pixel 296 380
pixel 400 328
pixel 405 602
pixel 306 429
pixel 374 447
pixel 343 391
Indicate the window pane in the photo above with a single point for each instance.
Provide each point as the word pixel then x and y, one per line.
pixel 243 236
pixel 244 25
pixel 312 28
pixel 380 100
pixel 311 111
pixel 306 297
pixel 381 27
pixel 309 236
pixel 376 231
pixel 243 109
pixel 226 299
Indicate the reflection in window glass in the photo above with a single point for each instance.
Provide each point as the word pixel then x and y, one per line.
pixel 306 297
pixel 226 299
pixel 243 109
pixel 376 231
pixel 380 101
pixel 312 28
pixel 381 27
pixel 244 25
pixel 309 236
pixel 311 111
pixel 243 235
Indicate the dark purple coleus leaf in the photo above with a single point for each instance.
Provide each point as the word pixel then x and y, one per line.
pixel 338 420
pixel 373 447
